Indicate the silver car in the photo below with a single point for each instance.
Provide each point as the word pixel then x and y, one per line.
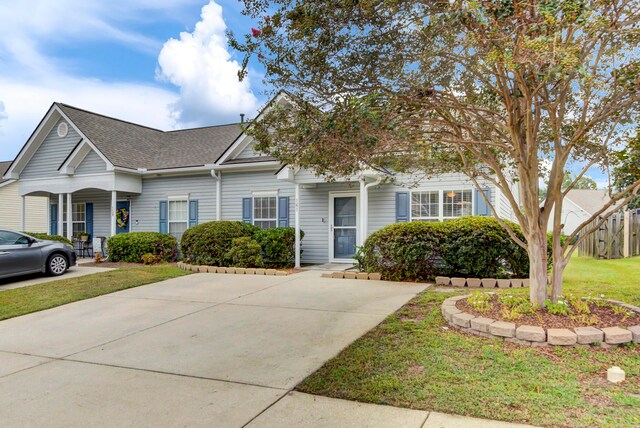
pixel 22 254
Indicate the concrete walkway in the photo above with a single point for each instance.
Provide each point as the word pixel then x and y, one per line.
pixel 27 280
pixel 202 350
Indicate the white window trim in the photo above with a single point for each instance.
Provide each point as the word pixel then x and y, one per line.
pixel 421 218
pixel 64 221
pixel 264 194
pixel 441 217
pixel 177 199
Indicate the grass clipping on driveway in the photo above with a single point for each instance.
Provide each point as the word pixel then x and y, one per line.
pixel 415 360
pixel 21 301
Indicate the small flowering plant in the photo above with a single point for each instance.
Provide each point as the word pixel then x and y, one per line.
pixel 481 302
pixel 561 307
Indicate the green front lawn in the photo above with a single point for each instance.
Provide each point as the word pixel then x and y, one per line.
pixel 21 301
pixel 413 359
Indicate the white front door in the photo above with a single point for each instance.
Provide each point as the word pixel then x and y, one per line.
pixel 344 212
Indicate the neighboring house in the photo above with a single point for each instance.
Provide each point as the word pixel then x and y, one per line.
pixel 27 213
pixel 579 205
pixel 118 176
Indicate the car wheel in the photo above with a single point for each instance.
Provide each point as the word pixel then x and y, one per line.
pixel 57 264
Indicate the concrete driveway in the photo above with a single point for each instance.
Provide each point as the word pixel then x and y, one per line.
pixel 203 350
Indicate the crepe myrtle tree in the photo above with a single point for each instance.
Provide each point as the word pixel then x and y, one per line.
pixel 499 90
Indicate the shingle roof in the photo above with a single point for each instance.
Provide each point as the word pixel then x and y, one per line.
pixel 4 166
pixel 591 200
pixel 129 145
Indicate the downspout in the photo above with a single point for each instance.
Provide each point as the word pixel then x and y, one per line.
pixel 364 206
pixel 218 176
pixel 297 225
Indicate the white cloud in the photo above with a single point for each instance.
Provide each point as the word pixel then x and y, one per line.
pixel 3 114
pixel 204 70
pixel 25 103
pixel 32 76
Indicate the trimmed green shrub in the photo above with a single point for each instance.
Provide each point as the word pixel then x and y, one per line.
pixel 245 253
pixel 468 247
pixel 209 243
pixel 278 246
pixel 130 247
pixel 479 247
pixel 45 237
pixel 404 251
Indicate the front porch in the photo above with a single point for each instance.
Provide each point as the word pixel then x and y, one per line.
pixel 334 216
pixel 87 205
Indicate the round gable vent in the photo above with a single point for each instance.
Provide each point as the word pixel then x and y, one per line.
pixel 63 130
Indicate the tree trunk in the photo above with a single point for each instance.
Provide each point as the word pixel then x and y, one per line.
pixel 537 251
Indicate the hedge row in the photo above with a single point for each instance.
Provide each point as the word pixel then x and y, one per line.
pixel 234 243
pixel 469 247
pixel 130 247
pixel 45 237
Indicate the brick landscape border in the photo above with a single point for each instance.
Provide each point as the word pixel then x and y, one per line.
pixel 482 282
pixel 538 336
pixel 232 270
pixel 353 275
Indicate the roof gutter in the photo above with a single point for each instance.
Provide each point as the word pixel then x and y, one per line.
pixel 203 168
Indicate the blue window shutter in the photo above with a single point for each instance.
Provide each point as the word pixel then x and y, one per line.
pixel 164 216
pixel 283 211
pixel 402 207
pixel 89 218
pixel 482 208
pixel 193 213
pixel 53 228
pixel 247 210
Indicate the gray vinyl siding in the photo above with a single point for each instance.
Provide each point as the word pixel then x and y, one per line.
pixel 51 153
pixel 249 152
pixel 145 207
pixel 502 206
pixel 314 219
pixel 91 164
pixel 238 185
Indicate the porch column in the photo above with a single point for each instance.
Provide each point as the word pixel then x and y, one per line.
pixel 297 223
pixel 61 214
pixel 69 217
pixel 23 207
pixel 363 212
pixel 114 203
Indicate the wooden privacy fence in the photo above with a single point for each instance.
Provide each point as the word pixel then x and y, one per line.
pixel 617 237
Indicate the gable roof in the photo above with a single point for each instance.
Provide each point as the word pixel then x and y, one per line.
pixel 591 200
pixel 133 146
pixel 4 166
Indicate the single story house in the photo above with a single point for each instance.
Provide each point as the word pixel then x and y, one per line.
pixel 579 205
pixel 32 218
pixel 109 176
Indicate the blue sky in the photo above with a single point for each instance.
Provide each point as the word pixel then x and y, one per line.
pixel 164 64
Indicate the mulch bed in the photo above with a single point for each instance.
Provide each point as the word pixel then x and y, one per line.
pixel 605 315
